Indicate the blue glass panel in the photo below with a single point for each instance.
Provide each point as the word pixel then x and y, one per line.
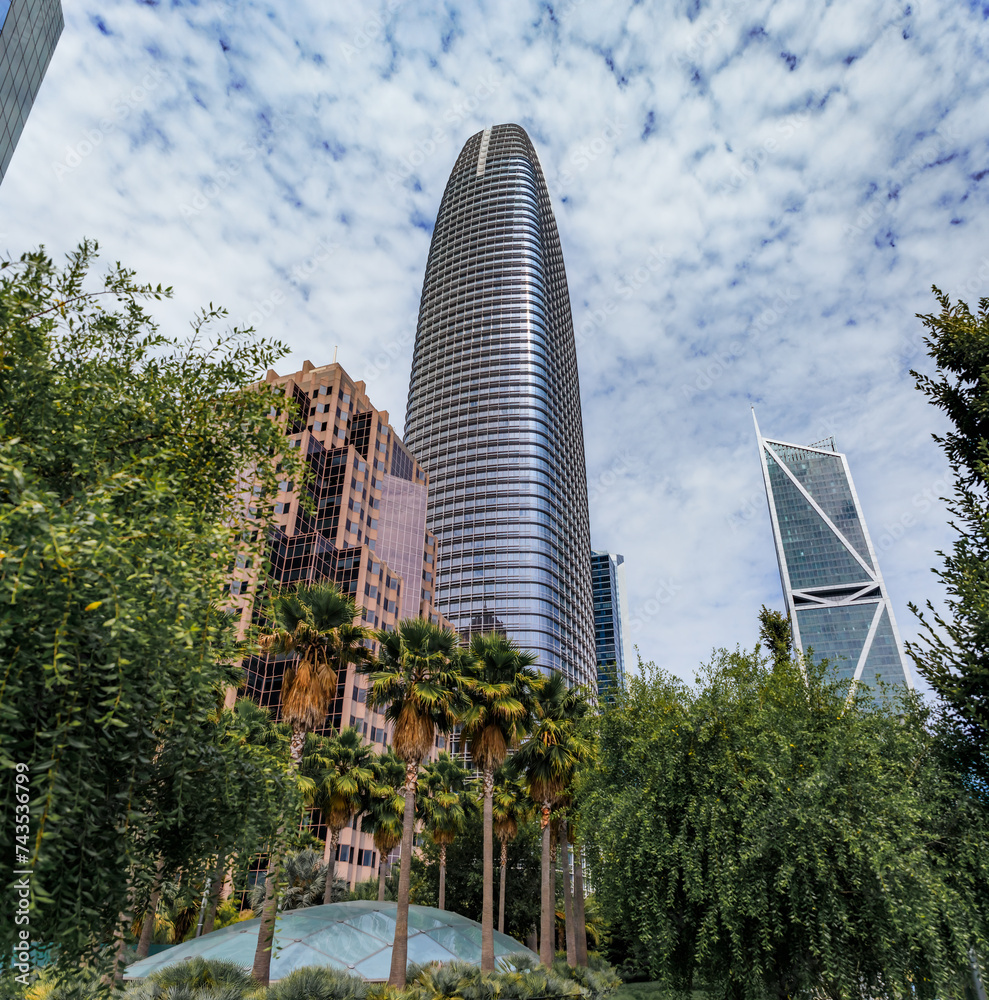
pixel 837 634
pixel 823 477
pixel 814 555
pixel 883 661
pixel 4 8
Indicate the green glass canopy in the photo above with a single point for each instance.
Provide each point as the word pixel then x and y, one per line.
pixel 354 937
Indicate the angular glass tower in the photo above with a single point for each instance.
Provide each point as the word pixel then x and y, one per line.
pixel 610 618
pixel 29 30
pixel 494 411
pixel 834 591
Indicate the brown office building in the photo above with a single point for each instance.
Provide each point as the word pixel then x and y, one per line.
pixel 366 531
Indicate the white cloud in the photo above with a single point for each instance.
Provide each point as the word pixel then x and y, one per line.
pixel 785 224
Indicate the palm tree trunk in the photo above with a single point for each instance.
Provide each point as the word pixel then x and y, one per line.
pixel 442 876
pixel 501 894
pixel 381 875
pixel 357 844
pixel 330 860
pixel 578 905
pixel 216 887
pixel 298 740
pixel 487 904
pixel 266 932
pixel 554 848
pixel 148 925
pixel 400 947
pixel 547 914
pixel 568 913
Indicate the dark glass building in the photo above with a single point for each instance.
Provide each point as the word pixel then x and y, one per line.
pixel 29 30
pixel 835 594
pixel 610 618
pixel 494 411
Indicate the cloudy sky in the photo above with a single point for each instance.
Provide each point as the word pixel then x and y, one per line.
pixel 753 197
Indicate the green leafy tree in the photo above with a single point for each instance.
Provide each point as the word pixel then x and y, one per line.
pixel 775 632
pixel 336 775
pixel 953 651
pixel 386 810
pixel 314 623
pixel 417 681
pixel 771 833
pixel 445 803
pixel 122 451
pixel 502 685
pixel 547 762
pixel 304 878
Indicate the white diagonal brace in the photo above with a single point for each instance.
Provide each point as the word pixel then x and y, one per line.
pixel 864 655
pixel 817 507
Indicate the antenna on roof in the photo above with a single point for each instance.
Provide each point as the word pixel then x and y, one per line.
pixel 334 354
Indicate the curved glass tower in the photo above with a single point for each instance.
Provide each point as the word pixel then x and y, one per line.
pixel 494 411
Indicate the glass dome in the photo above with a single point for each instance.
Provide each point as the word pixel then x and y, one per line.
pixel 355 937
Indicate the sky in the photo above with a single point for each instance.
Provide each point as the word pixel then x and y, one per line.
pixel 754 199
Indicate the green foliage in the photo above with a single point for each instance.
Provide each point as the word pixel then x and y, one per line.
pixel 313 983
pixel 303 878
pixel 765 831
pixel 198 979
pixel 953 652
pixel 121 456
pixel 464 875
pixel 775 632
pixel 598 978
pixel 443 798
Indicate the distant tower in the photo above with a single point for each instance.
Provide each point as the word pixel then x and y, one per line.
pixel 610 618
pixel 834 591
pixel 494 411
pixel 29 31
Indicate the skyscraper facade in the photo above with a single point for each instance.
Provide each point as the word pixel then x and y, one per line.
pixel 365 531
pixel 835 594
pixel 494 410
pixel 610 618
pixel 29 31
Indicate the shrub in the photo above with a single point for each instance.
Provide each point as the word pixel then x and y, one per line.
pixel 198 979
pixel 318 983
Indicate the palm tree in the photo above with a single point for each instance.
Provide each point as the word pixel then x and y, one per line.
pixel 305 882
pixel 510 807
pixel 315 621
pixel 502 685
pixel 337 777
pixel 547 762
pixel 445 805
pixel 386 810
pixel 417 681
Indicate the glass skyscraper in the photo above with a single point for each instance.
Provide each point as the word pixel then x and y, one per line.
pixel 494 411
pixel 610 618
pixel 834 591
pixel 29 31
